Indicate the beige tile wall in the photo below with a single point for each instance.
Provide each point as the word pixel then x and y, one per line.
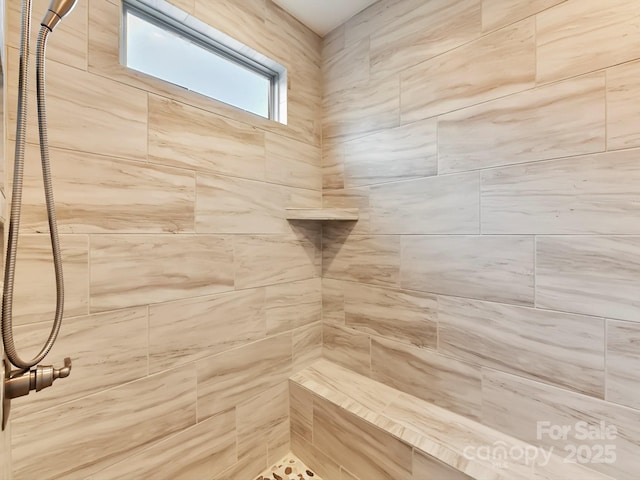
pixel 491 146
pixel 190 298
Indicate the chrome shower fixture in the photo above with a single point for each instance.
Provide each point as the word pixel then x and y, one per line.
pixel 57 11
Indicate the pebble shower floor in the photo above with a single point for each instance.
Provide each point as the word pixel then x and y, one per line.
pixel 289 468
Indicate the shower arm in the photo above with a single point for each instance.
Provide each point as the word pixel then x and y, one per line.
pixel 22 381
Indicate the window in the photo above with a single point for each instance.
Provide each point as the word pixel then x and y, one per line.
pixel 195 56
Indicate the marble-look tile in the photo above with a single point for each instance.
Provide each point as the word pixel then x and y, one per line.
pixel 516 406
pixel 107 350
pixel 247 467
pixel 86 112
pixel 293 163
pixel 129 270
pixel 333 42
pixel 348 68
pixel 322 464
pixel 623 363
pixel 357 445
pixel 430 29
pixel 198 452
pixel 493 66
pixel 361 258
pixel 494 268
pixel 185 5
pixel 263 419
pixel 107 427
pixel 35 278
pixel 589 275
pixel 242 373
pixel 570 116
pixel 577 37
pixel 188 137
pixel 293 305
pixel 499 13
pixel 333 301
pixel 239 206
pixel 395 154
pixel 557 348
pixel 68 45
pixel 344 475
pixel 301 411
pixel 307 345
pixel 623 87
pixel 448 204
pixel 347 347
pixel 96 194
pixel 362 109
pixel 425 466
pixel 332 163
pixel 260 259
pixel 402 315
pixel 351 198
pixel 447 382
pixel 581 195
pixel 189 330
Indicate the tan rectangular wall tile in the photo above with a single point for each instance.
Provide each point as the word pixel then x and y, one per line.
pixel 97 194
pixel 235 205
pixel 307 346
pixel 301 411
pixel 106 428
pixel 392 155
pixel 198 452
pixel 247 467
pixel 292 305
pixel 581 195
pixel 351 198
pixel 439 205
pixel 520 407
pixel 188 330
pixel 556 348
pixel 128 270
pixel 312 457
pixel 188 137
pixel 623 88
pixel 495 268
pixel 402 315
pixel 263 419
pixel 577 37
pixel 359 446
pixel 430 29
pixel 623 363
pixel 590 275
pixel 362 109
pixel 498 13
pixel 347 347
pixel 236 375
pixel 86 112
pixel 569 116
pixel 293 163
pixel 35 278
pixel 348 68
pixel 447 382
pixel 425 466
pixel 107 350
pixel 493 66
pixel 333 301
pixel 261 260
pixel 361 258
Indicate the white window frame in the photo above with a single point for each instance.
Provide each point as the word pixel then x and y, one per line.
pixel 168 17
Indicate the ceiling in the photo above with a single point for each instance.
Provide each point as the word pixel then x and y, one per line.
pixel 322 16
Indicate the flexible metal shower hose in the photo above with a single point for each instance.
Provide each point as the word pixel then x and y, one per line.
pixel 16 199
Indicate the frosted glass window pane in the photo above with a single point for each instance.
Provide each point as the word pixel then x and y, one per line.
pixel 165 54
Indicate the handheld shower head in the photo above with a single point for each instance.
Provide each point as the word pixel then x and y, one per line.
pixel 58 9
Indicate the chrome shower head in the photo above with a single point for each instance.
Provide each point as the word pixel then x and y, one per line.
pixel 58 9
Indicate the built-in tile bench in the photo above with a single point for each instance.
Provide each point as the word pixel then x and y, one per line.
pixel 347 426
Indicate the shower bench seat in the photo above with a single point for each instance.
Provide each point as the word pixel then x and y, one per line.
pixel 345 425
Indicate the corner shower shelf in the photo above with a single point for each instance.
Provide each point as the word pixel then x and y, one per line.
pixel 323 214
